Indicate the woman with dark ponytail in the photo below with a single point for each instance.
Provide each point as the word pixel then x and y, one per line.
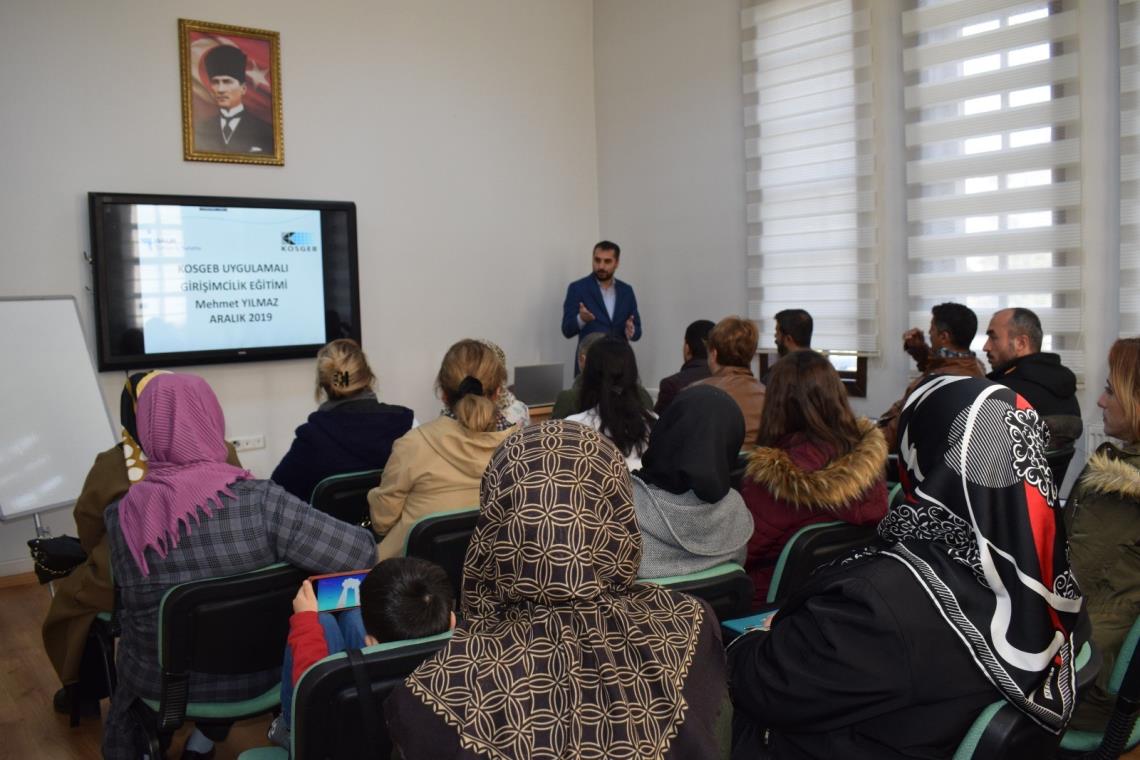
pixel 437 467
pixel 610 402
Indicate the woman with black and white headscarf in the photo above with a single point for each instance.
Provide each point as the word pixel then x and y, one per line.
pixel 895 652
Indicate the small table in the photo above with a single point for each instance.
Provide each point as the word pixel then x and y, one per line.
pixel 540 412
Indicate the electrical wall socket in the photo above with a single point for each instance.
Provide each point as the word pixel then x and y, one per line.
pixel 248 442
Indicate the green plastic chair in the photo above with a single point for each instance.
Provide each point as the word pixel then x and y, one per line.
pixel 327 717
pixel 1002 731
pixel 811 546
pixel 231 626
pixel 1075 741
pixel 345 496
pixel 442 538
pixel 726 587
pixel 895 497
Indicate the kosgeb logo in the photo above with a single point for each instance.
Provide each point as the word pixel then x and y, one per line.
pixel 298 241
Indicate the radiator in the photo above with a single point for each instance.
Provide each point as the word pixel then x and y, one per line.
pixel 1094 436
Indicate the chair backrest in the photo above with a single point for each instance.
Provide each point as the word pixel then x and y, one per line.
pixel 1002 731
pixel 442 538
pixel 345 496
pixel 1123 730
pixel 812 546
pixel 726 587
pixel 222 626
pixel 895 496
pixel 327 720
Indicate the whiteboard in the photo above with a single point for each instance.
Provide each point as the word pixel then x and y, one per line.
pixel 53 420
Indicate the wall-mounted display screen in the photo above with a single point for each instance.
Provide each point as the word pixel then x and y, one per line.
pixel 200 280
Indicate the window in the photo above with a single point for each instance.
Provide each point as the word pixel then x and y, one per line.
pixel 810 168
pixel 1129 168
pixel 993 155
pixel 852 370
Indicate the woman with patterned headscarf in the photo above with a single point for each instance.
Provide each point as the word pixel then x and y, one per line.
pixel 896 651
pixel 195 516
pixel 87 591
pixel 560 652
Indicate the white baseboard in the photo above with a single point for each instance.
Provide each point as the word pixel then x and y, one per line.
pixel 16 566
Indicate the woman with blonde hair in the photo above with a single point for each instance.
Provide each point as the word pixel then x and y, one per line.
pixel 516 412
pixel 351 429
pixel 1103 515
pixel 436 467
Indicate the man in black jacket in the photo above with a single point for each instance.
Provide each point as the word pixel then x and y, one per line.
pixel 1013 347
pixel 696 365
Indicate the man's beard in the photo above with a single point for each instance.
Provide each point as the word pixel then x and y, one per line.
pixel 603 276
pixel 781 349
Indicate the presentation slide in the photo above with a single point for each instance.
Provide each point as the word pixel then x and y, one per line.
pixel 216 278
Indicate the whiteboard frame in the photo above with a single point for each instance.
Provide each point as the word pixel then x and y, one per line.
pixel 95 372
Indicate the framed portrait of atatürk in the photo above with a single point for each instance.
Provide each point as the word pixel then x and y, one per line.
pixel 231 94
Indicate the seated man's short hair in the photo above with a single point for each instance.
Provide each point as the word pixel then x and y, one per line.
pixel 406 598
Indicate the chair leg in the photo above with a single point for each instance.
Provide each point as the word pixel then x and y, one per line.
pixel 147 730
pixel 74 699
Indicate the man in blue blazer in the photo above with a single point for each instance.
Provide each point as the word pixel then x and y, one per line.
pixel 601 303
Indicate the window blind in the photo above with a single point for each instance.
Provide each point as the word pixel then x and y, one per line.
pixel 993 156
pixel 810 167
pixel 1129 168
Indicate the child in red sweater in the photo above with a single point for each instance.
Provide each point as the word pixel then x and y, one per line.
pixel 401 598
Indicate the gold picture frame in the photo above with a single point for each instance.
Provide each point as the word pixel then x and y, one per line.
pixel 235 72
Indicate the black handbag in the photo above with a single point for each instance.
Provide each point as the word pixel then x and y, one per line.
pixel 56 557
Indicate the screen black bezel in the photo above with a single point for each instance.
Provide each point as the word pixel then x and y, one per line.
pixel 96 201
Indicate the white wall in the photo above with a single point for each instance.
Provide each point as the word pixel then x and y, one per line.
pixel 464 132
pixel 671 163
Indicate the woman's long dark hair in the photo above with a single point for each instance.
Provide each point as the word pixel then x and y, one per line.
pixel 609 382
pixel 805 395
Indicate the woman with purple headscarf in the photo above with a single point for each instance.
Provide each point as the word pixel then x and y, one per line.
pixel 195 517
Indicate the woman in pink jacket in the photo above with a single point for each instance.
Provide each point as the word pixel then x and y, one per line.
pixel 814 462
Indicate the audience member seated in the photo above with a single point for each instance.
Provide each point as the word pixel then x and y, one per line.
pixel 566 403
pixel 515 411
pixel 436 467
pixel 695 366
pixel 87 591
pixel 401 598
pixel 691 519
pixel 349 432
pixel 732 345
pixel 559 653
pixel 952 329
pixel 793 333
pixel 895 652
pixel 195 516
pixel 1103 514
pixel 1013 347
pixel 816 462
pixel 610 400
